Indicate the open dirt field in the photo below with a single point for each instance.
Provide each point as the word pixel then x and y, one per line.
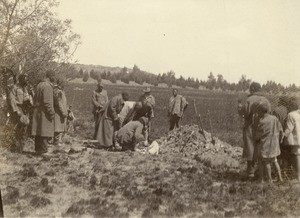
pixel 190 177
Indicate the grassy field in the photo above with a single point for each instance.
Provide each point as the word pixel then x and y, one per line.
pixel 226 123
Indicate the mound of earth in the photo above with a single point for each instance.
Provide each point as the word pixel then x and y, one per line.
pixel 189 177
pixel 188 141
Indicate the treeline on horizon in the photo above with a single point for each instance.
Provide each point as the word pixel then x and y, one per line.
pixel 213 82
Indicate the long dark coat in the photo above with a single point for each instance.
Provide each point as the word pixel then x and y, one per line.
pixel 109 122
pixel 43 114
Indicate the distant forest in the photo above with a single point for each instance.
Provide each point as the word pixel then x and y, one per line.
pixel 213 82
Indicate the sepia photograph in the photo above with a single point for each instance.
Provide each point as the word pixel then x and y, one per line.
pixel 149 108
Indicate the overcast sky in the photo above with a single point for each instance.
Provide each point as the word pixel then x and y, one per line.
pixel 258 38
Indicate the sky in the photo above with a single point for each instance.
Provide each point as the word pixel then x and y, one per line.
pixel 258 38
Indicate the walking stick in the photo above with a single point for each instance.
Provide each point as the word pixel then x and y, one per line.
pixel 213 141
pixel 200 126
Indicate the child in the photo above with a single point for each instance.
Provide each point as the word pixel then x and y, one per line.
pixel 292 134
pixel 267 138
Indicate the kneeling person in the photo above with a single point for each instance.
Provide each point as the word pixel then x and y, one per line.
pixel 131 134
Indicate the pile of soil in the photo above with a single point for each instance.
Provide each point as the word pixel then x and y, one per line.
pixel 190 142
pixel 189 177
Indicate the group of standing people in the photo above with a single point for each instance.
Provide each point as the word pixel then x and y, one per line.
pixel 41 113
pixel 269 134
pixel 114 129
pixel 124 124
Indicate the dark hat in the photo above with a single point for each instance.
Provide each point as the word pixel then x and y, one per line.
pixel 147 89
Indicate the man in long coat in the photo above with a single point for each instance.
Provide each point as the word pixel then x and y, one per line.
pixel 99 99
pixel 249 113
pixel 61 111
pixel 110 120
pixel 43 114
pixel 177 106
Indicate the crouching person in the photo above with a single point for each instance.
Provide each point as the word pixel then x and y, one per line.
pixel 131 134
pixel 267 136
pixel 61 111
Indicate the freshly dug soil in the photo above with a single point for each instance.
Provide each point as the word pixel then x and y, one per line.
pixel 189 177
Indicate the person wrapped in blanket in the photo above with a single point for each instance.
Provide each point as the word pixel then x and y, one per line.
pixel 177 106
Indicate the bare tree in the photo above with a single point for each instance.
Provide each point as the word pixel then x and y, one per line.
pixel 33 38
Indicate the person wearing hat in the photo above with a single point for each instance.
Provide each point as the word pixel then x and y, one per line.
pixel 248 112
pixel 267 138
pixel 110 120
pixel 148 100
pixel 61 110
pixel 43 113
pixel 20 103
pixel 99 99
pixel 131 134
pixel 148 103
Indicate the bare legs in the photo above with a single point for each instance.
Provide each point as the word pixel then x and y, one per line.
pixel 264 165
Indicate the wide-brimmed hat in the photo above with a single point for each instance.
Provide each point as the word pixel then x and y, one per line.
pixel 147 89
